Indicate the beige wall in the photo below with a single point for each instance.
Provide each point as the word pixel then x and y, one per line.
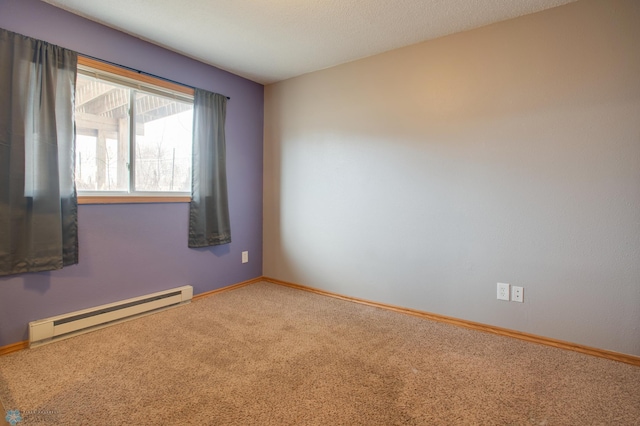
pixel 423 176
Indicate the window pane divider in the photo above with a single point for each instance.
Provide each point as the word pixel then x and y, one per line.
pixel 132 139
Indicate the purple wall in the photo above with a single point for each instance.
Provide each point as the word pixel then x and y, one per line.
pixel 131 250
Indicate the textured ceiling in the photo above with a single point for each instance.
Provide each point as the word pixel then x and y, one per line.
pixel 272 40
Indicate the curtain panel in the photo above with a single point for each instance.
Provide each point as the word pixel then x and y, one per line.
pixel 209 208
pixel 38 203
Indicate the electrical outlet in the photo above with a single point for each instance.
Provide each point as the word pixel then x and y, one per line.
pixel 503 291
pixel 517 294
pixel 245 257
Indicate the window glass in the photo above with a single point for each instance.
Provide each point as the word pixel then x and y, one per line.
pixel 115 158
pixel 102 135
pixel 162 144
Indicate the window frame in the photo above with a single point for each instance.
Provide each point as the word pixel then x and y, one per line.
pixel 143 81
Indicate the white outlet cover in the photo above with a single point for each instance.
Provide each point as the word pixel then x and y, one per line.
pixel 503 291
pixel 245 257
pixel 517 294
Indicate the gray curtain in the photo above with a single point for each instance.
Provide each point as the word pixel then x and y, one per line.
pixel 209 208
pixel 38 204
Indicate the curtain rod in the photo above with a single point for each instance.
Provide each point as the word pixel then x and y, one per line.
pixel 141 72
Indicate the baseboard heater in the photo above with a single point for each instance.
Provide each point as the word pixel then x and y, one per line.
pixel 74 323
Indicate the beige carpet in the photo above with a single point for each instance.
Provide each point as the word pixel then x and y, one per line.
pixel 270 355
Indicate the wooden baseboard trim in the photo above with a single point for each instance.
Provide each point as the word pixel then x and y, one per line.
pixel 602 353
pixel 223 289
pixel 14 347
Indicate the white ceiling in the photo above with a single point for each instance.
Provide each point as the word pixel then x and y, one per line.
pixel 271 40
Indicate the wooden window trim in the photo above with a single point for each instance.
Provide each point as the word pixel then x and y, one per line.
pixel 106 199
pixel 124 72
pixel 143 78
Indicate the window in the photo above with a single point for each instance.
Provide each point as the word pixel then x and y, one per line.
pixel 133 134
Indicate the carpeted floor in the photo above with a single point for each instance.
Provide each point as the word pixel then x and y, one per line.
pixel 270 355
